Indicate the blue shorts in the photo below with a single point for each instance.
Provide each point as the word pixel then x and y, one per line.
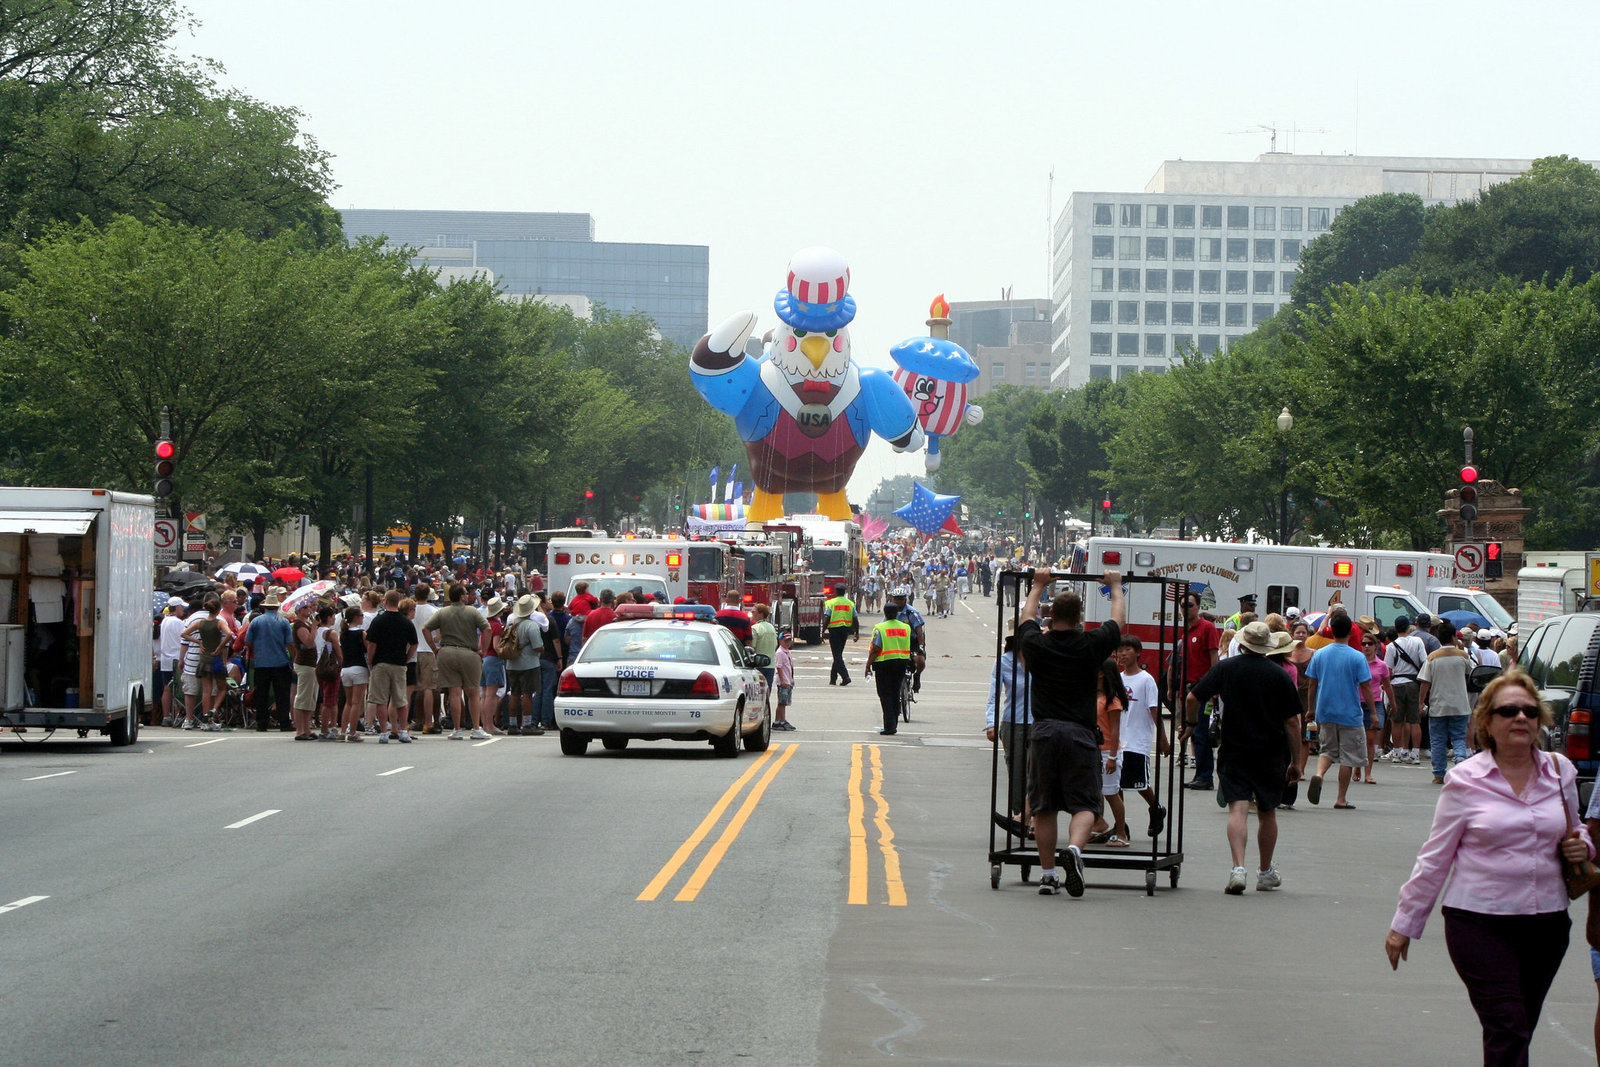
pixel 494 672
pixel 786 695
pixel 1594 963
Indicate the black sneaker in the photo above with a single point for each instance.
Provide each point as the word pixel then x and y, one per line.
pixel 1158 820
pixel 1072 872
pixel 533 731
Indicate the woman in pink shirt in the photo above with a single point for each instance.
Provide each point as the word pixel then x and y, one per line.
pixel 1381 692
pixel 1503 822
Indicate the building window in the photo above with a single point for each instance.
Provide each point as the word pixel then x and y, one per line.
pixel 1183 216
pixel 1128 312
pixel 1155 216
pixel 1155 248
pixel 1183 249
pixel 1102 279
pixel 1130 214
pixel 1211 314
pixel 1099 311
pixel 1127 344
pixel 1318 218
pixel 1125 372
pixel 1238 217
pixel 1210 217
pixel 1260 313
pixel 1261 282
pixel 1210 249
pixel 1127 248
pixel 1291 251
pixel 1210 281
pixel 1102 215
pixel 1286 282
pixel 1266 248
pixel 1155 281
pixel 1210 344
pixel 1235 315
pixel 1266 218
pixel 1128 279
pixel 1158 368
pixel 1103 247
pixel 1155 312
pixel 1291 219
pixel 1238 250
pixel 1183 281
pixel 1099 344
pixel 1238 282
pixel 1155 344
pixel 997 369
pixel 1182 314
pixel 1030 370
pixel 1099 370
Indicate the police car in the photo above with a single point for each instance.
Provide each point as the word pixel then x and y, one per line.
pixel 664 672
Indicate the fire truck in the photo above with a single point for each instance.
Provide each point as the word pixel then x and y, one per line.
pixel 836 552
pixel 775 573
pixel 701 571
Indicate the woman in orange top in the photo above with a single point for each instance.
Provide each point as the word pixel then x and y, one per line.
pixel 1110 699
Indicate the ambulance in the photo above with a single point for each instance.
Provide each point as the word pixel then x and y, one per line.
pixel 661 568
pixel 1384 585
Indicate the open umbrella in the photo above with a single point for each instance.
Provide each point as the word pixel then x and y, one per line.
pixel 289 575
pixel 307 593
pixel 185 583
pixel 247 572
pixel 1462 617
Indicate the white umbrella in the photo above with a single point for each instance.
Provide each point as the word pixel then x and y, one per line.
pixel 306 593
pixel 246 571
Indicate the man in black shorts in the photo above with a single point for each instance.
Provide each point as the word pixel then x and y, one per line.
pixel 1260 748
pixel 1064 750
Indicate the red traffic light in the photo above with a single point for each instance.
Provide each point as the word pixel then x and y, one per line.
pixel 1105 504
pixel 165 449
pixel 1469 474
pixel 588 494
pixel 1491 551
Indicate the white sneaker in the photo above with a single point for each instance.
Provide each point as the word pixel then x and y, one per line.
pixel 188 724
pixel 457 735
pixel 1235 882
pixel 1049 884
pixel 1265 880
pixel 480 734
pixel 405 737
pixel 383 738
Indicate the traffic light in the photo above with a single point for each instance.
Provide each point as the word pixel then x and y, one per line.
pixel 1492 562
pixel 1469 493
pixel 588 494
pixel 164 467
pixel 1105 506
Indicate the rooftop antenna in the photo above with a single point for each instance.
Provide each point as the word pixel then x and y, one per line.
pixel 1273 131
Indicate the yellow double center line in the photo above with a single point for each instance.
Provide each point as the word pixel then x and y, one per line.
pixel 859 861
pixel 714 855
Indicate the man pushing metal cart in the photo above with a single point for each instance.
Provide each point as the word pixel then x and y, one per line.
pixel 1059 700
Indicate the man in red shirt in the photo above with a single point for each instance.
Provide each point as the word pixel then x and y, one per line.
pixel 600 615
pixel 737 622
pixel 583 601
pixel 1199 656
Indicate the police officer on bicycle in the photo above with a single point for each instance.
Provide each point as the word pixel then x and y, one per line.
pixel 891 653
pixel 919 642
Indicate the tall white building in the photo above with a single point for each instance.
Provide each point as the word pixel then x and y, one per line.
pixel 1209 250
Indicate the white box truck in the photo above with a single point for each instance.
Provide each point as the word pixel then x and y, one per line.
pixel 76 577
pixel 1547 591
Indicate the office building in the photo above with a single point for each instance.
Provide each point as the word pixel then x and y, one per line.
pixel 1209 250
pixel 1009 340
pixel 553 256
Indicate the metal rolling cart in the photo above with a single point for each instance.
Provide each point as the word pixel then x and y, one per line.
pixel 1010 844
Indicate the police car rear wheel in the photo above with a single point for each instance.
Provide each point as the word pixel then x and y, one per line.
pixel 572 744
pixel 614 744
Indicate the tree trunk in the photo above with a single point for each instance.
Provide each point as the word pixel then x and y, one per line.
pixel 258 531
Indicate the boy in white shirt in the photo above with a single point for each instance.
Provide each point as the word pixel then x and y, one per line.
pixel 1142 730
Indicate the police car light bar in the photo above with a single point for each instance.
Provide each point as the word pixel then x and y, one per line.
pixel 682 612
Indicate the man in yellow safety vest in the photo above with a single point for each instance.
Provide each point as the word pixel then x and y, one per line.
pixel 839 616
pixel 891 655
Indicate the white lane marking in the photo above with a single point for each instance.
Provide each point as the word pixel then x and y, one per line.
pixel 397 770
pixel 23 903
pixel 42 777
pixel 213 741
pixel 480 744
pixel 254 818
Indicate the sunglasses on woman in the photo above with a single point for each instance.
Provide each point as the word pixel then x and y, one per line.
pixel 1511 711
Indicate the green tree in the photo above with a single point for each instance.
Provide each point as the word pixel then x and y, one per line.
pixel 984 464
pixel 1373 235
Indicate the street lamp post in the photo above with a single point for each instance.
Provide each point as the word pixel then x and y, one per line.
pixel 1285 424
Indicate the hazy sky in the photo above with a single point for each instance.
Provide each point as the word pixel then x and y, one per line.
pixel 916 138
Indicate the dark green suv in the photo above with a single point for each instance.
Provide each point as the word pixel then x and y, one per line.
pixel 1562 654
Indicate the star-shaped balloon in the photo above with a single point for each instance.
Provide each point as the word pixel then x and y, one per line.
pixel 930 512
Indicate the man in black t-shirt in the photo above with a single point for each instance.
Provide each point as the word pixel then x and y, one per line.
pixel 391 638
pixel 1064 748
pixel 1260 747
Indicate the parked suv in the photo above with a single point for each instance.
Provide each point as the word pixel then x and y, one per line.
pixel 1562 655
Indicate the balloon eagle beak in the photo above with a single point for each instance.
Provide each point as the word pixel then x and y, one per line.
pixel 815 349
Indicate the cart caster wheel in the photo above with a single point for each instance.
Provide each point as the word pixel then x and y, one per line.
pixel 1027 873
pixel 1149 883
pixel 994 876
pixel 1172 878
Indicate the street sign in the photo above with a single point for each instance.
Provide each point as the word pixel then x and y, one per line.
pixel 1469 558
pixel 1119 516
pixel 196 523
pixel 1594 575
pixel 166 539
pixel 236 541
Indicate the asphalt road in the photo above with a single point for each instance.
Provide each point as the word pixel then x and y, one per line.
pixel 826 902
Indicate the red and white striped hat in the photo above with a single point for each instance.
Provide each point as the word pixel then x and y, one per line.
pixel 817 296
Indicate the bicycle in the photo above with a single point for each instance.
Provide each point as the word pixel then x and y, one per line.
pixel 906 696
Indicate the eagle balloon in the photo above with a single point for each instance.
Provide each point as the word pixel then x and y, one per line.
pixel 803 409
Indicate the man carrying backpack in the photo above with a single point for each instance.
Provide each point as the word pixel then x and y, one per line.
pixel 1405 656
pixel 521 644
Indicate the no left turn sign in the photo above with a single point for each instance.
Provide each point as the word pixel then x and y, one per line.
pixel 1469 558
pixel 166 533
